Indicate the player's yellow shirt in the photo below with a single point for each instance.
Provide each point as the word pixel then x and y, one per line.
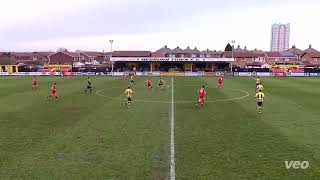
pixel 129 93
pixel 161 82
pixel 131 78
pixel 259 88
pixel 260 97
pixel 258 81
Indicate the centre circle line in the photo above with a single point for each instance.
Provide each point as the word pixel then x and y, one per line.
pixel 181 101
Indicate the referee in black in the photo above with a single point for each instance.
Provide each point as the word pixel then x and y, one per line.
pixel 89 86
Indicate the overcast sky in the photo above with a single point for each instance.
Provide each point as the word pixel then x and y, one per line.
pixel 35 25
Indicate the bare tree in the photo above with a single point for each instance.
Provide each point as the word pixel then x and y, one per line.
pixel 62 49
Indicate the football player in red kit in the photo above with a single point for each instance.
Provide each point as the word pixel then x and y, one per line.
pixel 35 83
pixel 201 92
pixel 53 92
pixel 220 80
pixel 149 84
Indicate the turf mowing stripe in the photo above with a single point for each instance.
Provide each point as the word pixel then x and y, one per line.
pixel 172 164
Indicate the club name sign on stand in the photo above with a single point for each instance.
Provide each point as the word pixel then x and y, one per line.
pixel 151 59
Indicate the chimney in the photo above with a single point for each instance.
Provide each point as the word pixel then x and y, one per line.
pixel 294 46
pixel 165 46
pixel 310 46
pixel 238 46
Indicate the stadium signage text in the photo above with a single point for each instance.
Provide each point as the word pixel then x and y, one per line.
pixel 151 59
pixel 296 164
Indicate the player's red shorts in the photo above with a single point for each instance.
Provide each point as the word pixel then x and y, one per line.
pixel 54 93
pixel 201 98
pixel 149 85
pixel 35 84
pixel 220 81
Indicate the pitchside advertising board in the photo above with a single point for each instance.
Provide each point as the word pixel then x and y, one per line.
pixel 85 73
pixel 314 74
pixel 216 74
pixel 298 74
pixel 139 74
pixel 157 73
pixel 152 73
pixel 172 74
pixel 118 73
pixel 210 74
pixel 244 74
pixel 264 74
pixel 249 74
pixel 4 74
pixel 193 74
pixel 36 74
pixel 279 74
pixel 24 74
pixel 20 74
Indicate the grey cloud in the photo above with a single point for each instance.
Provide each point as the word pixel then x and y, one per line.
pixel 120 18
pixel 123 17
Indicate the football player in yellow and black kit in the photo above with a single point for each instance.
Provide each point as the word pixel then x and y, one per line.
pixel 161 83
pixel 259 99
pixel 258 81
pixel 131 79
pixel 129 94
pixel 259 88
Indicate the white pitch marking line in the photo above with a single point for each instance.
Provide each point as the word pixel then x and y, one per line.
pixel 172 163
pixel 182 101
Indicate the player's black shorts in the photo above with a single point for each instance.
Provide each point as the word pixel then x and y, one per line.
pixel 260 104
pixel 89 87
pixel 160 84
pixel 129 99
pixel 257 84
pixel 131 81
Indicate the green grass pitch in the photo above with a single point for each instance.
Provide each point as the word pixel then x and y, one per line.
pixel 94 136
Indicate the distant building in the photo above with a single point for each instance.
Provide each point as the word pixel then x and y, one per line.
pixel 280 35
pixel 171 60
pixel 89 56
pixel 64 58
pixel 311 57
pixel 245 58
pixel 26 58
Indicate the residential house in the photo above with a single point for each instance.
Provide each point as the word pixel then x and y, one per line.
pixel 26 58
pixel 281 58
pixel 89 56
pixel 7 59
pixel 211 54
pixel 163 52
pixel 64 57
pixel 245 58
pixel 311 57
